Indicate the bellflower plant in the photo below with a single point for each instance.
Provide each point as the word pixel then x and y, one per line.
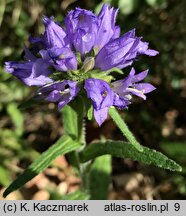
pixel 75 65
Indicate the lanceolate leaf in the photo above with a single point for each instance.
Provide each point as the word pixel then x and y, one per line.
pixel 33 101
pixel 124 128
pixel 125 150
pixel 74 126
pixel 62 146
pixel 16 117
pixel 73 120
pixel 5 176
pixel 100 177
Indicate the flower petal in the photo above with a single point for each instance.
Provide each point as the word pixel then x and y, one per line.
pixel 145 87
pixel 107 28
pixel 54 34
pixel 101 115
pixel 81 26
pixel 100 93
pixel 61 92
pixel 140 76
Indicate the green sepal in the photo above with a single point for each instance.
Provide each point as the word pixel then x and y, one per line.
pixel 97 74
pixel 117 70
pixel 90 113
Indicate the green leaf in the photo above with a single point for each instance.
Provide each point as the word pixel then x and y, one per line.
pixel 74 126
pixel 9 139
pixel 77 195
pixel 175 150
pixel 128 6
pixel 33 101
pixel 16 117
pixel 2 10
pixel 157 3
pixel 5 177
pixel 100 177
pixel 125 150
pixel 73 120
pixel 64 145
pixel 124 128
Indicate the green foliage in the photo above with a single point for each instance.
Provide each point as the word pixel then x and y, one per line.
pixel 100 177
pixel 73 120
pixel 64 145
pixel 157 3
pixel 124 128
pixel 177 151
pixel 16 117
pixel 2 10
pixel 160 22
pixel 31 102
pixel 74 126
pixel 125 150
pixel 5 177
pixel 77 195
pixel 90 113
pixel 128 6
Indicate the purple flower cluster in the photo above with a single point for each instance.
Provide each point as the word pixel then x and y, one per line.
pixel 80 53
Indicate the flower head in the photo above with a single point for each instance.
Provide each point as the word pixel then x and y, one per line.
pixel 78 57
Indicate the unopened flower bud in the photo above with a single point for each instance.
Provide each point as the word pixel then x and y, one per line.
pixel 88 64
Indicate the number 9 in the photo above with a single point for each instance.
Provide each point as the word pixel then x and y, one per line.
pixel 176 206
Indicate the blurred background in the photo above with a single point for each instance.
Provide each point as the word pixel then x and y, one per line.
pixel 158 123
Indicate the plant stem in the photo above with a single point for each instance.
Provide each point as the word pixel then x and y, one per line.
pixel 74 126
pixel 124 128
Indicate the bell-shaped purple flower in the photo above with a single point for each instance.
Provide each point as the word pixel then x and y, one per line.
pixel 61 92
pixel 62 59
pixel 106 26
pixel 129 86
pixel 122 51
pixel 118 93
pixel 31 73
pixel 54 34
pixel 102 97
pixel 81 26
